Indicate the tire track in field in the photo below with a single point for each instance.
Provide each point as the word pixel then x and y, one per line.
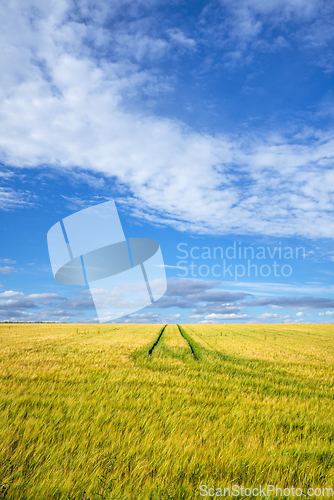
pixel 196 334
pixel 191 343
pixel 157 341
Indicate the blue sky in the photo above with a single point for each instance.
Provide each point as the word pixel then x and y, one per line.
pixel 209 123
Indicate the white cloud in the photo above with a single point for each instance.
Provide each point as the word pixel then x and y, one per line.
pixel 141 318
pixel 291 322
pixel 9 293
pixel 6 174
pixel 63 106
pixel 75 203
pixel 149 317
pixel 18 301
pixel 327 313
pixel 16 306
pixel 6 269
pixel 11 199
pixel 179 37
pixel 251 21
pixel 215 316
pixel 41 297
pixel 299 314
pixel 268 316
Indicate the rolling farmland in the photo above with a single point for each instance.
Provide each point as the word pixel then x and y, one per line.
pixel 155 411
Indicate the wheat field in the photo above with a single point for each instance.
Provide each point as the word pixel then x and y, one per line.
pixel 144 412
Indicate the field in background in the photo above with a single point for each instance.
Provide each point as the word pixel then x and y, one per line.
pixel 139 412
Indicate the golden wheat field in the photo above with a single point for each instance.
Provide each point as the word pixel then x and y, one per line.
pixel 142 412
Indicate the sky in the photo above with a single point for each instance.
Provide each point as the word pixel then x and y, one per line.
pixel 209 123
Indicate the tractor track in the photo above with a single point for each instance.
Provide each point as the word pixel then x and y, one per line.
pixel 157 341
pixel 189 340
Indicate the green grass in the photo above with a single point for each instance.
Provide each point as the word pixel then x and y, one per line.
pixel 141 412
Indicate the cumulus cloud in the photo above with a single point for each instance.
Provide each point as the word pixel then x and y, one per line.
pixel 187 292
pixel 66 87
pixel 214 316
pixel 17 306
pixel 270 317
pixel 14 301
pixel 9 293
pixel 206 301
pixel 207 298
pixel 216 308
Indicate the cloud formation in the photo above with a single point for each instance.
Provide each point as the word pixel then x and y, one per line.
pixel 198 300
pixel 11 199
pixel 16 306
pixel 6 269
pixel 186 293
pixel 204 298
pixel 246 27
pixel 70 74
